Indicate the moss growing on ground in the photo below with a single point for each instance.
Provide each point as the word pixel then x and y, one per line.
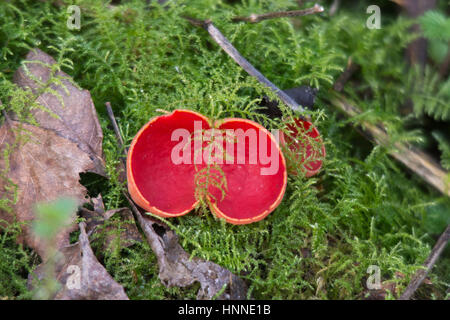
pixel 363 208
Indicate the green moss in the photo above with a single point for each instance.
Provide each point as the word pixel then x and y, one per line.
pixel 15 264
pixel 363 209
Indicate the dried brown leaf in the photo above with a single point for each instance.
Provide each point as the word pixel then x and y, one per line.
pixel 129 232
pixel 44 167
pixel 76 119
pixel 78 263
pixel 177 268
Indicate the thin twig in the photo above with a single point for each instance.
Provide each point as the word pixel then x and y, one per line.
pixel 223 42
pixel 120 140
pixel 255 18
pixel 346 75
pixel 429 263
pixel 416 160
pixel 115 126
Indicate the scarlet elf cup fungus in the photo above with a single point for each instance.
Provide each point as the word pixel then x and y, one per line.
pixel 304 148
pixel 179 159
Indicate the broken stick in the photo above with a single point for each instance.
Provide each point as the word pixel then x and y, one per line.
pixel 416 160
pixel 115 126
pixel 225 44
pixel 429 263
pixel 346 75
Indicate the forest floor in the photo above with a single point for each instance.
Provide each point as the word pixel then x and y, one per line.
pixel 363 209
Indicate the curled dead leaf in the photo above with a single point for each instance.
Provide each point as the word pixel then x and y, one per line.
pixel 44 162
pixel 177 268
pixel 80 274
pixel 129 232
pixel 44 167
pixel 76 118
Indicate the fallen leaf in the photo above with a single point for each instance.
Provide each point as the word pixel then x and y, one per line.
pixel 80 274
pixel 129 233
pixel 76 118
pixel 177 268
pixel 46 161
pixel 381 294
pixel 44 167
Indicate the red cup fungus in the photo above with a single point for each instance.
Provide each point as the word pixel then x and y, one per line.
pixel 303 147
pixel 179 159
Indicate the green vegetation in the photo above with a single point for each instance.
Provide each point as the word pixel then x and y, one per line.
pixel 363 209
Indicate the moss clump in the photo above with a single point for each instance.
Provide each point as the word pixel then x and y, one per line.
pixel 15 264
pixel 363 209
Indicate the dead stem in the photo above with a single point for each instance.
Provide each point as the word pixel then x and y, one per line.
pixel 346 75
pixel 115 126
pixel 136 211
pixel 421 274
pixel 223 42
pixel 416 160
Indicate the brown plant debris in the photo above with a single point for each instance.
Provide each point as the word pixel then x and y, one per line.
pixel 129 232
pixel 420 275
pixel 176 268
pixel 44 162
pixel 76 118
pixel 416 160
pixel 43 166
pixel 80 274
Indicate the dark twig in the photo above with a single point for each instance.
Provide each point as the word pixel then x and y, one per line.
pixel 115 126
pixel 429 263
pixel 223 42
pixel 119 137
pixel 255 18
pixel 346 75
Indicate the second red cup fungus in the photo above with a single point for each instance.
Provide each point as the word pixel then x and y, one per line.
pixel 304 148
